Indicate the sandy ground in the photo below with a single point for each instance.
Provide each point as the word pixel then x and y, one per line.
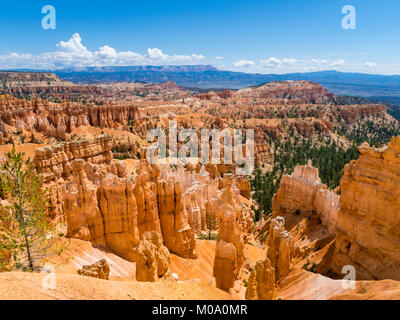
pixel 88 132
pixel 304 285
pixel 201 269
pixel 195 280
pixel 122 284
pixel 80 253
pixel 195 277
pixel 27 286
pixel 27 148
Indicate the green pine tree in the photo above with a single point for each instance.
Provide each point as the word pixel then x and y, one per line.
pixel 27 234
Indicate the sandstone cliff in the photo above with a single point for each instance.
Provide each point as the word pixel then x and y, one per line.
pixel 101 201
pixel 368 224
pixel 295 91
pixel 229 255
pixel 153 258
pixel 261 285
pixel 55 120
pixel 280 247
pixel 303 193
pixel 98 199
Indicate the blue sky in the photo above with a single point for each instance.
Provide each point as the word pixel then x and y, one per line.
pixel 272 36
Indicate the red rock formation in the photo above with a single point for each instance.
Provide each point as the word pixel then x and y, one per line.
pixel 211 95
pixel 91 193
pixel 56 120
pixel 352 113
pixel 153 258
pixel 294 91
pixel 368 223
pixel 244 186
pixel 280 248
pixel 261 284
pixel 104 204
pixel 229 254
pixel 146 197
pixel 177 233
pixel 303 193
pixel 100 270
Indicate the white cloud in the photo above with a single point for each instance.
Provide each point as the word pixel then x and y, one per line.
pixel 289 61
pixel 73 53
pixel 337 63
pixel 74 45
pixel 107 52
pixel 311 64
pixel 286 65
pixel 317 61
pixel 156 54
pixel 296 65
pixel 271 62
pixel 243 63
pixel 370 64
pixel 198 56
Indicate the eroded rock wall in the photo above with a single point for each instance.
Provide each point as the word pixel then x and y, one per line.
pixel 177 233
pixel 368 224
pixel 55 120
pixel 96 197
pixel 280 248
pixel 100 201
pixel 152 258
pixel 229 253
pixel 303 192
pixel 261 285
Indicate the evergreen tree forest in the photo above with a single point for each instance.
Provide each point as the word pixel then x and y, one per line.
pixel 329 156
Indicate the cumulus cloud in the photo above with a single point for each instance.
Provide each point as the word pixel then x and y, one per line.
pixel 271 62
pixel 337 63
pixel 370 64
pixel 243 63
pixel 73 53
pixel 299 65
pixel 289 61
pixel 311 64
pixel 219 58
pixel 107 52
pixel 198 56
pixel 74 45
